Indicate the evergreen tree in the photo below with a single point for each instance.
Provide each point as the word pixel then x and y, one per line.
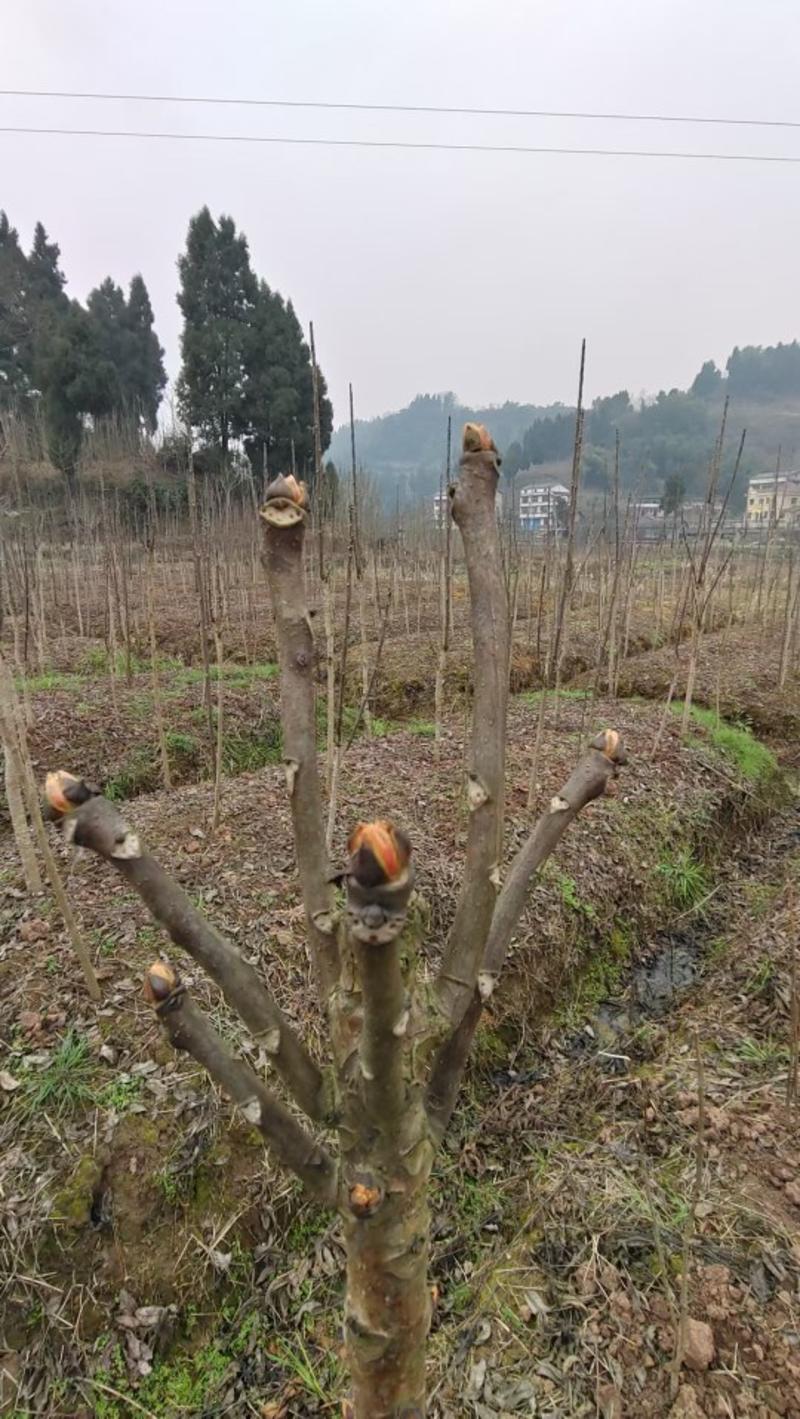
pixel 707 382
pixel 14 326
pixel 76 379
pixel 46 303
pixel 513 460
pixel 674 494
pixel 328 494
pixel 146 373
pixel 107 310
pixel 124 330
pixel 280 394
pixel 217 298
pixel 46 280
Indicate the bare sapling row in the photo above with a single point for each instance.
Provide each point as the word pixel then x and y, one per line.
pixel 361 1128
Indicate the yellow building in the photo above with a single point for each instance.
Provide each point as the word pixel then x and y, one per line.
pixel 775 498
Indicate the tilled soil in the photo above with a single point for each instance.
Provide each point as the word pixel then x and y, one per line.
pixel 135 1215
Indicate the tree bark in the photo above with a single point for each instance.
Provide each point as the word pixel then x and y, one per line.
pixel 386 1143
pixel 388 1306
pixel 474 513
pixel 96 824
pixel 284 564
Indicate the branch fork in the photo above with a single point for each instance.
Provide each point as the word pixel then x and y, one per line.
pixel 398 1054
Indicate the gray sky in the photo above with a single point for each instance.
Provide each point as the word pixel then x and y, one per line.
pixel 425 271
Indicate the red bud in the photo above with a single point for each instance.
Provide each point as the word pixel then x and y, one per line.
pixel 378 845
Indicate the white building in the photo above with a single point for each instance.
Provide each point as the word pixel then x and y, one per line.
pixel 441 504
pixel 648 509
pixel 773 497
pixel 539 506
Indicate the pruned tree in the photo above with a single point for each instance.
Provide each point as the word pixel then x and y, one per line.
pixel 399 1031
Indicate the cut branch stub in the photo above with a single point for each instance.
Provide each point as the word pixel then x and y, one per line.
pixel 477 439
pixel 284 516
pixel 379 881
pixel 88 819
pixel 286 502
pixel 64 792
pixel 611 747
pixel 188 1029
pixel 159 984
pixel 589 780
pixel 97 824
pixel 473 506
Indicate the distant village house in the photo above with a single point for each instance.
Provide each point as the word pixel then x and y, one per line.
pixel 773 497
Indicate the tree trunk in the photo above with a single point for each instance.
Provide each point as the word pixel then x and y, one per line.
pixel 388 1306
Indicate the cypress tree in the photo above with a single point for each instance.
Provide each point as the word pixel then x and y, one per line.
pixel 217 298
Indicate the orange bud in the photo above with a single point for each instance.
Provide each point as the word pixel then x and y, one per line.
pixel 55 786
pixel 159 983
pixel 364 1199
pixel 385 844
pixel 477 439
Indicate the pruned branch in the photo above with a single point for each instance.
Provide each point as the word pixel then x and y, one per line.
pixel 587 782
pixel 190 1030
pixel 473 508
pixel 379 883
pixel 93 822
pixel 284 516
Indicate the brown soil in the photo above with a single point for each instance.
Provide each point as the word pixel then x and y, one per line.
pixel 139 1193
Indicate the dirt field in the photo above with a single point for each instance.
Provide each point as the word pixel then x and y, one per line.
pixel 154 1263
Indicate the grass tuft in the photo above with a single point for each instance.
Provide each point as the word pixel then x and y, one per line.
pixel 65 1085
pixel 736 742
pixel 686 879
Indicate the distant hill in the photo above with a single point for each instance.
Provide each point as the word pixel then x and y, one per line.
pixel 670 434
pixel 408 447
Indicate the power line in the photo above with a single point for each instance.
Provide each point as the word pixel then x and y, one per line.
pixel 396 143
pixel 404 108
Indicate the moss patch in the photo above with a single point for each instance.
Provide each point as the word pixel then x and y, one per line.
pixel 72 1205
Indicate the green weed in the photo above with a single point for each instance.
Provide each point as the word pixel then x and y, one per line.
pixel 138 775
pixel 296 1359
pixel 532 697
pixel 309 1223
pixel 685 878
pixel 568 888
pixel 762 978
pixel 381 727
pixel 764 1054
pixel 105 945
pixel 753 759
pixel 424 728
pixel 180 743
pixel 600 979
pixel 65 1085
pixel 237 677
pixel 119 1094
pixel 50 680
pixel 245 753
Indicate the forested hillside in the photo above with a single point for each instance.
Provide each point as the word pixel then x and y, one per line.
pixel 670 435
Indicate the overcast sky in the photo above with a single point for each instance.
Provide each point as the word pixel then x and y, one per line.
pixel 426 271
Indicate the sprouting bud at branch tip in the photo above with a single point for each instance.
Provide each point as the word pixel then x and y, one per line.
pixel 286 501
pixel 379 853
pixel 611 746
pixel 64 792
pixel 159 983
pixel 477 439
